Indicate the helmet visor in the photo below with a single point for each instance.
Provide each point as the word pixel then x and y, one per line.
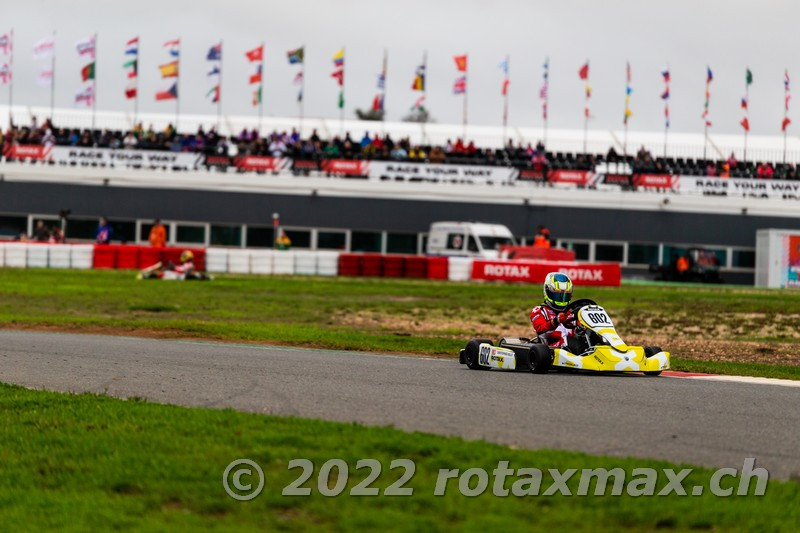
pixel 559 297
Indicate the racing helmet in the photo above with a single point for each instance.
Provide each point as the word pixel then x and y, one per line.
pixel 187 255
pixel 557 291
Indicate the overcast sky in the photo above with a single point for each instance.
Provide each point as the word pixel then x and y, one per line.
pixel 728 35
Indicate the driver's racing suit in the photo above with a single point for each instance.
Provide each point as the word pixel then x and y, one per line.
pixel 546 322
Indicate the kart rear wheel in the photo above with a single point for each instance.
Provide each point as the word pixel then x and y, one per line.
pixel 472 351
pixel 540 358
pixel 650 351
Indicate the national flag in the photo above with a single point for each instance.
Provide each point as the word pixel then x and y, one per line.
pixel 43 49
pixel 132 47
pixel 174 47
pixel 5 43
pixel 86 47
pixel 45 77
pixel 338 75
pixel 133 65
pixel 785 123
pixel 504 66
pixel 5 73
pixel 298 78
pixel 786 80
pixel 460 85
pixel 666 116
pixel 419 79
pixel 745 124
pixel 341 99
pixel 257 97
pixel 214 71
pixel 665 74
pixel 748 77
pixel 214 94
pixel 543 92
pixel 130 92
pixel 215 53
pixel 461 62
pixel 256 54
pixel 377 103
pixel 169 94
pixel 588 91
pixel 296 56
pixel 338 58
pixel 87 72
pixel 744 103
pixel 583 73
pixel 256 76
pixel 504 90
pixel 85 96
pixel 418 104
pixel 709 75
pixel 665 94
pixel 169 70
pixel 381 81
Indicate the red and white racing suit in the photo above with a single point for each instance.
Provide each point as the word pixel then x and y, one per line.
pixel 178 272
pixel 545 322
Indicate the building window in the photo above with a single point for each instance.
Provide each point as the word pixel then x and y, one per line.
pixel 608 252
pixel 401 243
pixel 144 231
pixel 331 240
pixel 642 254
pixel 455 241
pixel 743 259
pixel 85 229
pixel 123 231
pixel 190 234
pixel 13 226
pixel 260 236
pixel 226 235
pixel 365 241
pixel 581 249
pixel 301 238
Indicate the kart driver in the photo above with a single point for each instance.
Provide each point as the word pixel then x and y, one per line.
pixel 171 271
pixel 551 319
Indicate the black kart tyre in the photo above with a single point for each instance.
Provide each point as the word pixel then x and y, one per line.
pixel 472 352
pixel 650 351
pixel 540 358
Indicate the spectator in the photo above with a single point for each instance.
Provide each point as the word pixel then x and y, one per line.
pixel 283 242
pixel 542 237
pixel 437 155
pixel 104 232
pixel 711 169
pixel 417 153
pixel 277 148
pixel 158 235
pixel 764 171
pixel 40 232
pixel 732 161
pixel 56 235
pixel 399 153
pixel 365 140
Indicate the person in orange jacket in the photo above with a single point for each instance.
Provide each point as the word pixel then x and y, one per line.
pixel 158 235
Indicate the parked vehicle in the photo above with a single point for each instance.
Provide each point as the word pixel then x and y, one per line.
pixel 468 239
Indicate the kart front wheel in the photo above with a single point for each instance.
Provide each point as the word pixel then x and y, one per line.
pixel 540 359
pixel 472 352
pixel 650 351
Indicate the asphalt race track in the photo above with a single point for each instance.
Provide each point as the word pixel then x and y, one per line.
pixel 695 421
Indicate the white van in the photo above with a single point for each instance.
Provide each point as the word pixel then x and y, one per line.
pixel 468 239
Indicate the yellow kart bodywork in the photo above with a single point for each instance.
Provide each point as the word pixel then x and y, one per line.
pixel 610 359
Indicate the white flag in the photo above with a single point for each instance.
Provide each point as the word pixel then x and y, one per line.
pixel 5 74
pixel 85 96
pixel 86 47
pixel 44 48
pixel 45 77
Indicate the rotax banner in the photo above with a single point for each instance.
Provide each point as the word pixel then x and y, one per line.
pixel 597 274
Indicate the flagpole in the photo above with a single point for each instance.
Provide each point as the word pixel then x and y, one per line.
pixel 586 110
pixel 136 84
pixel 11 82
pixel 94 85
pixel 466 88
pixel 302 87
pixel 177 87
pixel 746 113
pixel 53 78
pixel 341 109
pixel 219 90
pixel 383 98
pixel 424 92
pixel 625 121
pixel 261 92
pixel 505 100
pixel 546 99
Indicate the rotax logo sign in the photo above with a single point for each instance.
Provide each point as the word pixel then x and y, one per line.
pixel 600 274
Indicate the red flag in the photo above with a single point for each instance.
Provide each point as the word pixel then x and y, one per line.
pixel 745 124
pixel 584 71
pixel 256 54
pixel 505 87
pixel 339 75
pixel 785 123
pixel 130 92
pixel 461 63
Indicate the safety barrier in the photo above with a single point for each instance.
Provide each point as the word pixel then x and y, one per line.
pixel 302 262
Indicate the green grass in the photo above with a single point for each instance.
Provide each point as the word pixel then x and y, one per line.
pixel 94 463
pixel 397 315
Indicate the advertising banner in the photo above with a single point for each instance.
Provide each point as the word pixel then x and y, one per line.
pixel 73 155
pixel 656 181
pixel 26 151
pixel 751 188
pixel 582 178
pixel 793 259
pixel 262 163
pixel 597 274
pixel 345 167
pixel 439 172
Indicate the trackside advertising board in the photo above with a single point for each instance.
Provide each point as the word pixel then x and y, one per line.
pixel 74 155
pixel 596 274
pixel 437 172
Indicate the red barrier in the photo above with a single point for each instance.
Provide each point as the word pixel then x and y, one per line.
pixel 104 256
pixel 371 264
pixel 416 266
pixel 393 266
pixel 600 274
pixel 127 256
pixel 438 267
pixel 149 256
pixel 349 265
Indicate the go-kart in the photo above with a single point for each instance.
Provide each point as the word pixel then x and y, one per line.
pixel 595 346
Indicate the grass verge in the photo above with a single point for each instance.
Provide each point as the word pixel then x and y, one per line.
pixel 87 462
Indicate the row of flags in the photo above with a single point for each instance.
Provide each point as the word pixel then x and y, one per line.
pixel 44 50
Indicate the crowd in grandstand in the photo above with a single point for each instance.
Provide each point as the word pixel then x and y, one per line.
pixel 384 147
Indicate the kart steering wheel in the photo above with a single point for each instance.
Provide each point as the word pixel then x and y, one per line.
pixel 576 304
